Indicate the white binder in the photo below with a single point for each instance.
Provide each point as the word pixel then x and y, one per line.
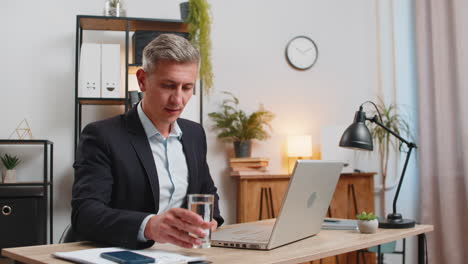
pixel 89 80
pixel 110 71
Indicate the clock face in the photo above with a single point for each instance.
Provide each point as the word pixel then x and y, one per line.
pixel 301 52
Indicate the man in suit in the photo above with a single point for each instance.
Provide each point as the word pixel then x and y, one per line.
pixel 134 171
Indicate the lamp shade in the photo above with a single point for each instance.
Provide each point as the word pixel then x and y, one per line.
pixel 300 146
pixel 357 135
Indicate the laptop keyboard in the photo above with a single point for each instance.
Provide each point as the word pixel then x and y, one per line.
pixel 258 234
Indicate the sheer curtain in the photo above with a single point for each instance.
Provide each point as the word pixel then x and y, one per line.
pixel 441 43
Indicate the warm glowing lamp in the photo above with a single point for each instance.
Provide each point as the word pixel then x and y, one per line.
pixel 298 147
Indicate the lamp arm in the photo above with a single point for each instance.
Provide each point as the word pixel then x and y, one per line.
pixel 376 120
pixel 410 145
pixel 401 178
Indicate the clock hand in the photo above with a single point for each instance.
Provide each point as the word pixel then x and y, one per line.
pixel 307 50
pixel 298 49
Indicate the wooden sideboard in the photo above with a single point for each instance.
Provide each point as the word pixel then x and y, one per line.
pixel 259 196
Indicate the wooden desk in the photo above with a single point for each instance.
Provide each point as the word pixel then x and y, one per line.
pixel 326 243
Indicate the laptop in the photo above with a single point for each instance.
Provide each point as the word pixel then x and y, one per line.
pixel 302 211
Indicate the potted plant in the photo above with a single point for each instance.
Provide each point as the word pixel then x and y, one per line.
pixel 394 121
pixel 196 13
pixel 10 163
pixel 238 127
pixel 367 222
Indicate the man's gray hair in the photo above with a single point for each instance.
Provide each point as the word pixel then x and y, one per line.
pixel 169 47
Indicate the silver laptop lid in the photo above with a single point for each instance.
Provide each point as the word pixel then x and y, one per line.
pixel 306 201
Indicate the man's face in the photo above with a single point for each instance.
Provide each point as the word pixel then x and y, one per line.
pixel 167 90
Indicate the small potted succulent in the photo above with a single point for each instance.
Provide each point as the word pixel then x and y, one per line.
pixel 367 222
pixel 10 163
pixel 238 127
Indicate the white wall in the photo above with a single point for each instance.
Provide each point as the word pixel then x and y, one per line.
pixel 248 60
pixel 249 38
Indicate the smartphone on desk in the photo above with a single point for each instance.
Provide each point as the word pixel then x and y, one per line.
pixel 127 257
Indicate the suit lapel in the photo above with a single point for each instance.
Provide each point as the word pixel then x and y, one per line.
pixel 189 155
pixel 141 145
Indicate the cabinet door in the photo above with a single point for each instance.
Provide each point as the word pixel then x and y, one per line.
pixel 260 199
pixel 354 193
pixel 22 222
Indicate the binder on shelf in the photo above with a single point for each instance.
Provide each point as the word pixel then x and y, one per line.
pixel 110 71
pixel 89 83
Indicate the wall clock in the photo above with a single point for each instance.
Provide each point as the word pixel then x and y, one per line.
pixel 301 52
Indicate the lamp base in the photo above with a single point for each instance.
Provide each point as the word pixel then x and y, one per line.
pixel 396 221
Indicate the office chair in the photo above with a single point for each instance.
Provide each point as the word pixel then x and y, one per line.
pixel 69 235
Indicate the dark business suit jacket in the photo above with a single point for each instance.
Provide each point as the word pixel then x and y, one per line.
pixel 116 182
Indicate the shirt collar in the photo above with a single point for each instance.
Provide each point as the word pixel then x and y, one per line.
pixel 151 130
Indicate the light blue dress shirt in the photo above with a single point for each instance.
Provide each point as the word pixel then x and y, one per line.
pixel 171 166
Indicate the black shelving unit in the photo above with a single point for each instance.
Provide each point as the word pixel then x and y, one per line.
pixel 127 25
pixel 25 206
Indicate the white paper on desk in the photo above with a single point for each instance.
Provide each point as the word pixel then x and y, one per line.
pixel 92 256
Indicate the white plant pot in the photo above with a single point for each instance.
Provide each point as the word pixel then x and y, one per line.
pixel 368 226
pixel 9 176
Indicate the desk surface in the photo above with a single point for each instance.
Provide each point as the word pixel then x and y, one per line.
pixel 326 243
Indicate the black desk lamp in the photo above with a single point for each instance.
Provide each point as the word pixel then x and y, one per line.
pixel 357 136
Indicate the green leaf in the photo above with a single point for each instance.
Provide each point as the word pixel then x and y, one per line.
pixel 10 162
pixel 199 29
pixel 235 124
pixel 366 216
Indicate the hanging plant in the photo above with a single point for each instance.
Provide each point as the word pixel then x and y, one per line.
pixel 199 29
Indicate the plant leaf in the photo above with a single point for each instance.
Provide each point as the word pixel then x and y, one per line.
pixel 235 124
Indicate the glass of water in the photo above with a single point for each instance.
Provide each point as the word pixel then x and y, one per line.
pixel 202 204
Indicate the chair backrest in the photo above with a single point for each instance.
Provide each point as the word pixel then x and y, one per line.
pixel 69 235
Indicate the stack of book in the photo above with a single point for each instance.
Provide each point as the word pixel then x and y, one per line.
pixel 339 224
pixel 249 164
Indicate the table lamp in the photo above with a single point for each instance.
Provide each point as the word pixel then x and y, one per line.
pixel 299 147
pixel 357 136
